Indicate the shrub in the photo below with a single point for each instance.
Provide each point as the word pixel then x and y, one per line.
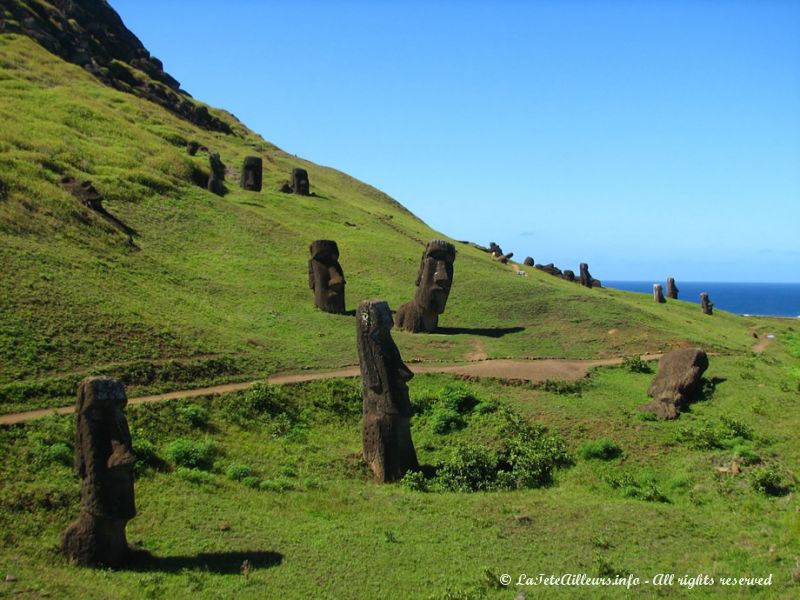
pixel 635 364
pixel 193 454
pixel 340 397
pixel 260 400
pixel 485 407
pixel 457 397
pixel 602 449
pixel 444 420
pixel 252 482
pixel 312 483
pixel 645 489
pixel 421 405
pixel 746 455
pixel 718 433
pixel 59 453
pixel 194 414
pixel 415 481
pixel 276 485
pixel 561 387
pixel 769 481
pixel 469 468
pixel 146 457
pixel 237 472
pixel 195 475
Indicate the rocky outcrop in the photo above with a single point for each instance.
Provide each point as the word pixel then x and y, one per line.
pixel 678 381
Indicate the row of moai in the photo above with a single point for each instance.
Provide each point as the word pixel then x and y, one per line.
pixel 252 174
pixel 584 277
pixel 672 292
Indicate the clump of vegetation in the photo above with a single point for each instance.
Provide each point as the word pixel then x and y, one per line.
pixel 715 433
pixel 197 476
pixel 260 401
pixel 340 397
pixel 147 457
pixel 237 472
pixel 601 449
pixel 191 453
pixel 635 364
pixel 444 420
pixel 562 387
pixel 769 481
pixel 645 488
pixel 281 484
pixel 195 415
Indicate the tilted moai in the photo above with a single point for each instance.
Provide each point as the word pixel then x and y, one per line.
pixel 300 183
pixel 434 280
pixel 672 290
pixel 677 382
pixel 528 262
pixel 325 276
pixel 388 448
pixel 251 173
pixel 586 278
pixel 706 304
pixel 658 294
pixel 217 175
pixel 104 461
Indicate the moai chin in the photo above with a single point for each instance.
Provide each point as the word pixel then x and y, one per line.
pixel 586 278
pixel 104 461
pixel 217 175
pixel 251 173
pixel 658 295
pixel 434 280
pixel 706 304
pixel 388 448
pixel 300 183
pixel 325 276
pixel 672 290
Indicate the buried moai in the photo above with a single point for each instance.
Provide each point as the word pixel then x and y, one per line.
pixel 217 175
pixel 658 294
pixel 325 276
pixel 672 290
pixel 300 183
pixel 434 279
pixel 251 174
pixel 706 304
pixel 678 381
pixel 528 262
pixel 104 461
pixel 388 448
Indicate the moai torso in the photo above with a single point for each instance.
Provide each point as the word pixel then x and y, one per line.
pixel 658 294
pixel 325 276
pixel 217 175
pixel 672 290
pixel 586 278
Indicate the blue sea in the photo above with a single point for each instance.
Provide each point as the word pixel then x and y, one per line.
pixel 764 299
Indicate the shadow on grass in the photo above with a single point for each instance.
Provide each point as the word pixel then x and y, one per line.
pixel 495 332
pixel 222 563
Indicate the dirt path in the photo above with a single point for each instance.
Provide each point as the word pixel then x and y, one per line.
pixel 762 343
pixel 524 370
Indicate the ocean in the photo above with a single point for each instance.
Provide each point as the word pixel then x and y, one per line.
pixel 764 299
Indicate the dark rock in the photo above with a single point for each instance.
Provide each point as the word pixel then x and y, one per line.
pixel 104 461
pixel 528 262
pixel 192 148
pixel 251 174
pixel 658 294
pixel 325 276
pixel 672 290
pixel 568 275
pixel 300 183
pixel 706 304
pixel 388 448
pixel 677 382
pixel 285 188
pixel 434 280
pixel 217 175
pixel 586 278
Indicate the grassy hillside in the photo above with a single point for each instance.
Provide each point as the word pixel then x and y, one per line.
pixel 214 289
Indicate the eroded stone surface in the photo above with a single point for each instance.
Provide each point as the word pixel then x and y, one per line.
pixel 252 170
pixel 677 382
pixel 325 276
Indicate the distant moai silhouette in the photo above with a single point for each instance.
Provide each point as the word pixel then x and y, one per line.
pixel 192 147
pixel 528 262
pixel 252 173
pixel 300 184
pixel 672 290
pixel 706 304
pixel 434 280
pixel 658 294
pixel 388 448
pixel 217 175
pixel 325 276
pixel 586 278
pixel 104 461
pixel 568 275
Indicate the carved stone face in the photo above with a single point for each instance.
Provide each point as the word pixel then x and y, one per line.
pixel 252 173
pixel 300 183
pixel 435 276
pixel 325 276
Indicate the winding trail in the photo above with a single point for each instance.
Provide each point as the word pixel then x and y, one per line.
pixel 534 371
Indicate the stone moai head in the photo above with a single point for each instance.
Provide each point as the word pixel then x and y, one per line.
pixel 586 278
pixel 672 290
pixel 251 173
pixel 217 175
pixel 435 276
pixel 300 183
pixel 568 275
pixel 388 449
pixel 706 304
pixel 325 276
pixel 528 262
pixel 658 294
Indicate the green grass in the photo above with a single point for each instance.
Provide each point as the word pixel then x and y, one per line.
pixel 214 278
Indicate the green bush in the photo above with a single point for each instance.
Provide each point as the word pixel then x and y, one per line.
pixel 195 475
pixel 261 400
pixel 602 449
pixel 635 364
pixel 769 481
pixel 457 398
pixel 195 415
pixel 470 468
pixel 276 485
pixel 746 455
pixel 422 404
pixel 415 481
pixel 146 457
pixel 562 388
pixel 59 453
pixel 715 433
pixel 252 482
pixel 190 453
pixel 645 489
pixel 238 472
pixel 444 420
pixel 340 397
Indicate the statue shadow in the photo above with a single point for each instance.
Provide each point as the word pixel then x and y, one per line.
pixel 494 332
pixel 222 563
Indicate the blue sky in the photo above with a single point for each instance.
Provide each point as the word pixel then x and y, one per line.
pixel 649 139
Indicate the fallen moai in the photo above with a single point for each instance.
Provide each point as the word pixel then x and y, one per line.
pixel 104 461
pixel 550 268
pixel 388 448
pixel 568 275
pixel 677 382
pixel 434 280
pixel 88 195
pixel 528 262
pixel 325 276
pixel 252 173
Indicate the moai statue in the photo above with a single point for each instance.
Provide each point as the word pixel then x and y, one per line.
pixel 658 295
pixel 192 147
pixel 300 183
pixel 104 461
pixel 388 448
pixel 678 381
pixel 586 278
pixel 528 262
pixel 706 304
pixel 217 175
pixel 251 174
pixel 434 279
pixel 325 276
pixel 672 290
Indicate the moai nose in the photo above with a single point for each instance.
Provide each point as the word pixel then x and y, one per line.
pixel 440 276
